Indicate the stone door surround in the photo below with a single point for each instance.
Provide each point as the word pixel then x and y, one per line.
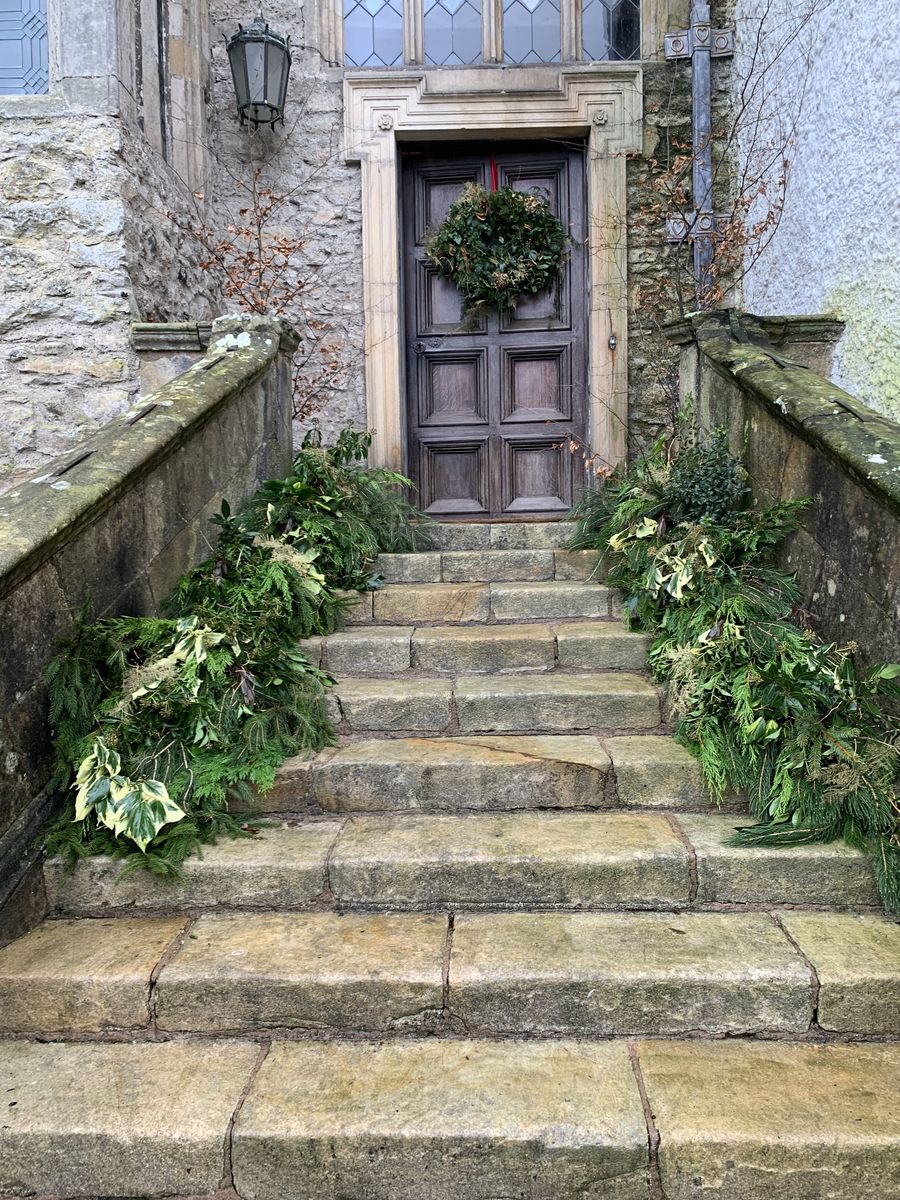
pixel 602 104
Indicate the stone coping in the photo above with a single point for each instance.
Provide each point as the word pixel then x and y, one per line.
pixel 49 509
pixel 863 442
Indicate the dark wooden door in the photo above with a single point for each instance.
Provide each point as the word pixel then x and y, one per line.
pixel 489 405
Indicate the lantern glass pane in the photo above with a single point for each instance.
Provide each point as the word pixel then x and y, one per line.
pixel 256 70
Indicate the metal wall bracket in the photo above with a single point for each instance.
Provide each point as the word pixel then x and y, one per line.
pixel 695 226
pixel 719 42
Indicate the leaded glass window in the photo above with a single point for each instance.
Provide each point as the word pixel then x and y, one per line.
pixel 611 29
pixel 373 33
pixel 23 48
pixel 461 33
pixel 453 32
pixel 531 32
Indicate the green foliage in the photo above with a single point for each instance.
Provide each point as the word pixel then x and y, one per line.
pixel 498 246
pixel 345 513
pixel 765 706
pixel 161 721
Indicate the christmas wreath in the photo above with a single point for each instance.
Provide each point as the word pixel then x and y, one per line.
pixel 497 246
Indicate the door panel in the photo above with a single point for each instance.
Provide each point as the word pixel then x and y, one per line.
pixel 490 402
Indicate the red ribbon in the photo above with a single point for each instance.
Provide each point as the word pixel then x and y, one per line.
pixel 494 177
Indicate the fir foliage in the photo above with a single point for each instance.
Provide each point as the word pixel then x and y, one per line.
pixel 764 705
pixel 159 722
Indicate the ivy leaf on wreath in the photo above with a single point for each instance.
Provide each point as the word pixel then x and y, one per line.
pixel 498 246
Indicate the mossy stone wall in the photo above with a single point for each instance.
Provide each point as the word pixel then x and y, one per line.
pixel 116 522
pixel 800 435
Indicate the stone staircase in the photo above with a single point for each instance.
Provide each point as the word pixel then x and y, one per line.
pixel 491 946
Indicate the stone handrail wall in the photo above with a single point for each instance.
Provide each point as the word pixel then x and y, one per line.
pixel 799 435
pixel 116 522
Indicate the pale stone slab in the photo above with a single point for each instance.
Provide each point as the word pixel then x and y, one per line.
pixel 118 1120
pixel 395 704
pixel 454 774
pixel 600 860
pixel 420 567
pixel 312 648
pixel 376 649
pixel 530 535
pixel 497 565
pixel 414 603
pixel 627 973
pixel 765 1120
pixel 833 873
pixel 360 609
pixel 548 601
pixel 291 791
pixel 555 703
pixel 601 644
pixel 462 536
pixel 305 970
pixel 655 772
pixel 455 648
pixel 80 976
pixel 577 564
pixel 857 960
pixel 279 866
pixel 442 1120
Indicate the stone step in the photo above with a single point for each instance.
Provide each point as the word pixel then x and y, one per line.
pixel 592 860
pixel 464 649
pixel 496 703
pixel 497 566
pixel 490 772
pixel 470 603
pixel 586 973
pixel 429 1119
pixel 502 535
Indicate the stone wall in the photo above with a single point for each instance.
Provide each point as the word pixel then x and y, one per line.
pixel 87 175
pixel 117 521
pixel 836 246
pixel 799 435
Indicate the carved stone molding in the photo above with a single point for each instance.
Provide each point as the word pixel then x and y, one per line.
pixel 602 104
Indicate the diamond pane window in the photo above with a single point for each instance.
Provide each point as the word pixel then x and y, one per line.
pixel 531 31
pixel 452 32
pixel 23 48
pixel 611 29
pixel 373 33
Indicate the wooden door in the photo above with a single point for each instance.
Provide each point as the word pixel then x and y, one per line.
pixel 489 405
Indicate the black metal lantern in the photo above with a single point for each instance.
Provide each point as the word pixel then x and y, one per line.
pixel 260 65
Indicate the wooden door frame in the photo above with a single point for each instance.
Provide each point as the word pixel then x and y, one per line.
pixel 602 104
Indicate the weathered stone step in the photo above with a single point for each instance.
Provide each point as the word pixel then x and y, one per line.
pixel 496 703
pixel 464 649
pixel 497 566
pixel 490 772
pixel 429 1119
pixel 119 1120
pixel 508 973
pixel 467 603
pixel 599 860
pixel 502 535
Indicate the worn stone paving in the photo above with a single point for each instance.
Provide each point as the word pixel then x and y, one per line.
pixel 491 945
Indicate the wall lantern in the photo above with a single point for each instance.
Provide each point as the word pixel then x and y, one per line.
pixel 260 65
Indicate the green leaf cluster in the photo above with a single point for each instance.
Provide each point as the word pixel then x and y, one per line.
pixel 160 722
pixel 498 246
pixel 766 707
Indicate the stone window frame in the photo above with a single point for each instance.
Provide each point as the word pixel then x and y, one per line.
pixel 602 104
pixel 655 16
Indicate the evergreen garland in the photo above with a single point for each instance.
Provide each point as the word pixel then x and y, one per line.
pixel 498 246
pixel 765 706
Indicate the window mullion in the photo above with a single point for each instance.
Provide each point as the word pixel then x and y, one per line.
pixel 570 30
pixel 492 30
pixel 414 31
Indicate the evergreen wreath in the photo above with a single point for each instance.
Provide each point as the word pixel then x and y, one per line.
pixel 497 246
